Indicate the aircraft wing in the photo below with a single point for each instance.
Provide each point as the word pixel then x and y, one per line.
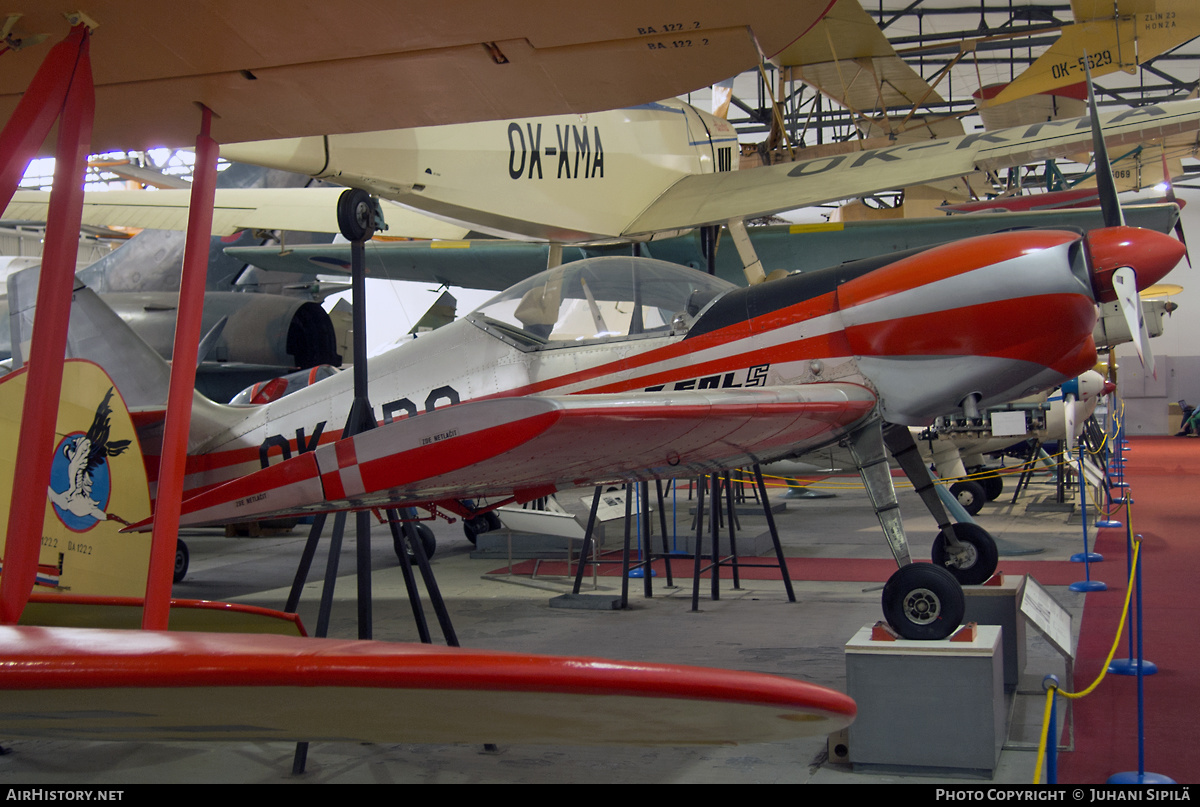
pixel 498 264
pixel 702 199
pixel 847 57
pixel 73 683
pixel 530 446
pixel 270 70
pixel 305 209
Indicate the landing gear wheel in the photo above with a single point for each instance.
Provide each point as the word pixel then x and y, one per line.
pixel 923 602
pixel 992 485
pixel 970 495
pixel 355 215
pixel 474 527
pixel 182 557
pixel 427 539
pixel 977 560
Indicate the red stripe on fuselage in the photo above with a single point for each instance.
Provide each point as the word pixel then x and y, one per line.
pixel 1036 327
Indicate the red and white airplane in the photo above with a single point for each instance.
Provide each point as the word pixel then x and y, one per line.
pixel 623 368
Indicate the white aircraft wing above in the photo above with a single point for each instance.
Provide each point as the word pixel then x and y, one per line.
pixel 697 199
pixel 304 209
pixel 711 198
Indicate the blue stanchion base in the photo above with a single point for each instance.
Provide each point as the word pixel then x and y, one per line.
pixel 1129 666
pixel 1143 778
pixel 1090 557
pixel 640 573
pixel 1088 585
pixel 1108 523
pixel 1118 484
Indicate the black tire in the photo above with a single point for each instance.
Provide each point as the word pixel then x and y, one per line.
pixel 182 559
pixel 970 495
pixel 478 525
pixel 993 486
pixel 923 602
pixel 428 541
pixel 978 562
pixel 355 215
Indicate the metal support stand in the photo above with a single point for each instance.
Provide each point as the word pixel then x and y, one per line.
pixel 359 217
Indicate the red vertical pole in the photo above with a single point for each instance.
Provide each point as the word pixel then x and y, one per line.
pixel 37 110
pixel 39 415
pixel 167 505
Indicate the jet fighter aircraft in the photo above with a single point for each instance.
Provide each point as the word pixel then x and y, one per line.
pixel 624 368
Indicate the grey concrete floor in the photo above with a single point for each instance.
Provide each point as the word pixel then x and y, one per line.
pixel 754 628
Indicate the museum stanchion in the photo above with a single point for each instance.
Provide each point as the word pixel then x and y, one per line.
pixel 1140 776
pixel 1132 665
pixel 1049 737
pixel 1086 558
pixel 1106 521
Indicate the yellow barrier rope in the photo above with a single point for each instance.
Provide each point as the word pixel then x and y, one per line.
pixel 1054 690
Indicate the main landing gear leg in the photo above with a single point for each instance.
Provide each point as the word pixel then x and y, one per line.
pixel 920 601
pixel 965 549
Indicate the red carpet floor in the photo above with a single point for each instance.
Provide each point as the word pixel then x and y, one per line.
pixel 1164 474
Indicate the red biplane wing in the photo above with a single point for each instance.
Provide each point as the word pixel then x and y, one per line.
pixel 527 447
pixel 71 683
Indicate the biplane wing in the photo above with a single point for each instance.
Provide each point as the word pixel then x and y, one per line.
pixel 374 64
pixel 66 683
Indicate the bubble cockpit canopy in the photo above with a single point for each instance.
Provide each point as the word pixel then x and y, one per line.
pixel 618 297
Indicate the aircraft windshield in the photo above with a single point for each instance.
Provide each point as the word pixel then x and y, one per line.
pixel 601 298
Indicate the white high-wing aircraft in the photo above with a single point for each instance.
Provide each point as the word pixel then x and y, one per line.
pixel 637 173
pixel 629 174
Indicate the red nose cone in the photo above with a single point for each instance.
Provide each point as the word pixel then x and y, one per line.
pixel 1149 253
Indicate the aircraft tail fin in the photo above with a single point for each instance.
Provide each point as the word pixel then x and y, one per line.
pixel 97 334
pixel 97 486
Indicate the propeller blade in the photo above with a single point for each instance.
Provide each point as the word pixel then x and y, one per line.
pixel 1109 206
pixel 1171 198
pixel 1125 284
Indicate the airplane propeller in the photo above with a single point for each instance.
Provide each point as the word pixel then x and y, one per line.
pixel 1118 251
pixel 1170 195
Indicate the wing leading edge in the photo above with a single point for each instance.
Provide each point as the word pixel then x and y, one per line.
pixel 528 447
pixel 156 685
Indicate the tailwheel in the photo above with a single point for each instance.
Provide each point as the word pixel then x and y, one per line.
pixel 923 602
pixel 182 559
pixel 974 560
pixel 474 527
pixel 427 539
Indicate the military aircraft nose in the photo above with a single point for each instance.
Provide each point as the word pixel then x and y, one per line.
pixel 1149 253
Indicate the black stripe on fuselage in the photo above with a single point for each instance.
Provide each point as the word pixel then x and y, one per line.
pixel 750 302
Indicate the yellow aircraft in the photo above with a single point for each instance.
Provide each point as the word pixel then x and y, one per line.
pixel 1107 36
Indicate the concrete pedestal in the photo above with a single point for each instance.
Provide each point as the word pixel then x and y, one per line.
pixel 927 707
pixel 999 605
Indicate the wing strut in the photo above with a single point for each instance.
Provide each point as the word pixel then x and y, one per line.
pixel 172 463
pixel 741 240
pixel 61 90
